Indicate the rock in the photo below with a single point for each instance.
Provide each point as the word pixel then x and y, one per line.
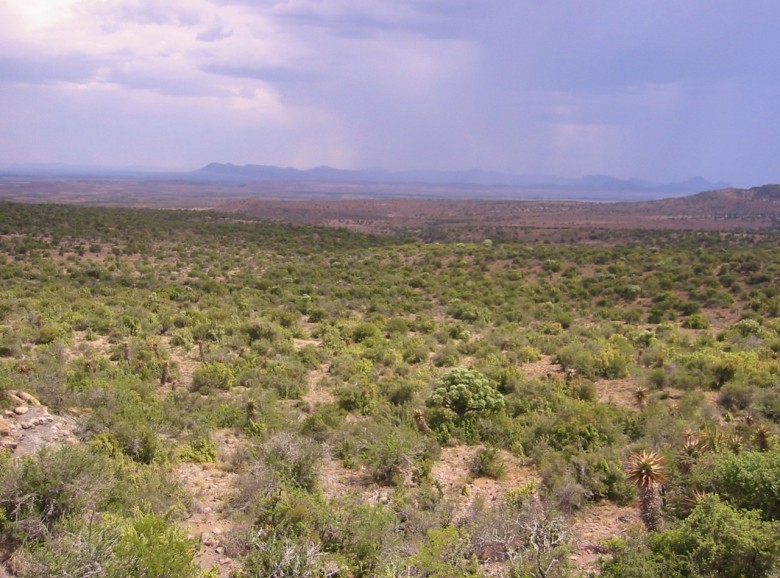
pixel 216 531
pixel 10 444
pixel 224 561
pixel 5 427
pixel 21 410
pixel 26 425
pixel 219 549
pixel 32 400
pixel 11 394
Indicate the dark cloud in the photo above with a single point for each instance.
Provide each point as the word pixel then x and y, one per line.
pixel 658 89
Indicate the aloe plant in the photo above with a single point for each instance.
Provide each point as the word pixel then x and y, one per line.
pixel 647 471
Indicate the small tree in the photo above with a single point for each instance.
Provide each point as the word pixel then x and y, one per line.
pixel 466 391
pixel 648 473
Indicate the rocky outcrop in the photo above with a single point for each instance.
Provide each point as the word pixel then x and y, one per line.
pixel 29 426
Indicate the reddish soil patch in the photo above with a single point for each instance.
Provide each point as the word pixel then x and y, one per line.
pixel 211 487
pixel 618 391
pixel 453 473
pixel 318 393
pixel 541 369
pixel 338 481
pixel 301 343
pixel 594 525
pixel 81 346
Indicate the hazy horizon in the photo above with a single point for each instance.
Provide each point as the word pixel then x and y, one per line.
pixel 658 91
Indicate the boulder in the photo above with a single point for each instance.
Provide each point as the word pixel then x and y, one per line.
pixel 30 399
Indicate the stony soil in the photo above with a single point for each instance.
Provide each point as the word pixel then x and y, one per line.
pixel 29 426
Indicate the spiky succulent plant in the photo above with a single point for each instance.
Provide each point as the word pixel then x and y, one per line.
pixel 647 471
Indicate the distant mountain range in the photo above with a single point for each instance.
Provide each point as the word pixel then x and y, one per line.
pixel 265 180
pixel 229 173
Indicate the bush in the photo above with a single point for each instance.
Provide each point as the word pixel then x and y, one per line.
pixel 489 463
pixel 696 321
pixel 716 540
pixel 283 558
pixel 150 545
pixel 446 554
pixel 747 480
pixel 466 391
pixel 215 375
pixel 294 459
pixel 55 484
pixel 200 450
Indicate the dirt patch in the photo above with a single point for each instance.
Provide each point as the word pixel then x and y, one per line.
pixel 337 481
pixel 211 487
pixel 99 345
pixel 453 474
pixel 183 364
pixel 318 393
pixel 544 368
pixel 594 525
pixel 301 343
pixel 618 391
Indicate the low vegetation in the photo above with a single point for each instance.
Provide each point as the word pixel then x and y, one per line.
pixel 383 406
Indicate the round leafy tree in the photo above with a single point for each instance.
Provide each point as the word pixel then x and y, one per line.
pixel 466 391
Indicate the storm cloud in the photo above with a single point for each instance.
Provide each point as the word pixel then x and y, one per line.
pixel 657 90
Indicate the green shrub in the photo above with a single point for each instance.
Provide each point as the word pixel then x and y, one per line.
pixel 215 375
pixel 54 484
pixel 718 540
pixel 283 557
pixel 489 463
pixel 466 391
pixel 748 480
pixel 294 459
pixel 446 554
pixel 149 545
pixel 201 450
pixel 696 321
pixel 49 334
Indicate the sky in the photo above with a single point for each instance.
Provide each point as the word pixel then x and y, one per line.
pixel 652 89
